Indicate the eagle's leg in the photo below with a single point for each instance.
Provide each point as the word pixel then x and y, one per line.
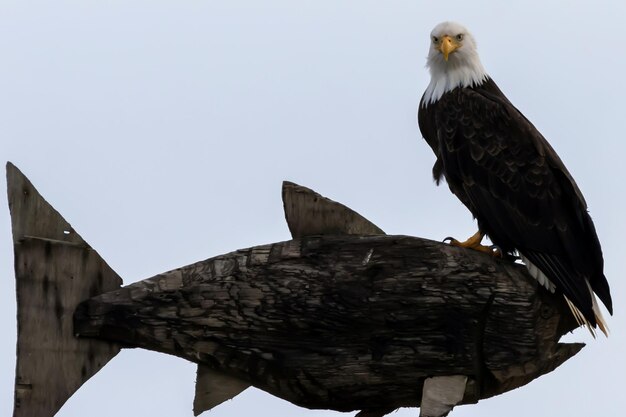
pixel 474 242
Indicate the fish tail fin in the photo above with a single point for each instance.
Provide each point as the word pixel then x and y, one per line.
pixel 55 269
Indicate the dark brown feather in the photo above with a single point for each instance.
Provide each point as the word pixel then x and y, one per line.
pixel 497 163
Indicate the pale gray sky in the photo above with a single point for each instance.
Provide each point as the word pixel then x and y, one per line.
pixel 162 132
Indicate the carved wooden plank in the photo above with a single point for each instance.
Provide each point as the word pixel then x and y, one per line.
pixel 213 388
pixel 345 322
pixel 308 214
pixel 441 394
pixel 55 269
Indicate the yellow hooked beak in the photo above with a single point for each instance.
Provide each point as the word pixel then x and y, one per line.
pixel 447 46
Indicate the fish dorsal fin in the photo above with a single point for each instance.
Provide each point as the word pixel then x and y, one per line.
pixel 309 213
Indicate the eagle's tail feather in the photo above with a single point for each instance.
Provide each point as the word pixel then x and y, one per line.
pixel 544 281
pixel 582 321
pixel 580 318
pixel 597 313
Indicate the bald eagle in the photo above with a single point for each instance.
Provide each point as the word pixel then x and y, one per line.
pixel 506 173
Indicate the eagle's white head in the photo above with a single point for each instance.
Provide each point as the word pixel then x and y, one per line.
pixel 453 61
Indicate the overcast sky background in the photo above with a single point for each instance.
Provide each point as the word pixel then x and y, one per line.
pixel 162 132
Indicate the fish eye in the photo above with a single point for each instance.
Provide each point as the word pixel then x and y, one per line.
pixel 435 39
pixel 459 37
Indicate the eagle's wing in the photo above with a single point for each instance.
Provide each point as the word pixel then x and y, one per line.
pixel 520 192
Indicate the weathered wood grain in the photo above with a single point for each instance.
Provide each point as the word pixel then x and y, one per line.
pixel 441 394
pixel 55 269
pixel 214 387
pixel 345 322
pixel 301 202
pixel 308 213
pixel 342 317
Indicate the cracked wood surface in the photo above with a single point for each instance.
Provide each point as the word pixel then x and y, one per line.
pixel 344 322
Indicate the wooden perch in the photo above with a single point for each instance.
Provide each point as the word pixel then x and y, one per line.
pixel 343 321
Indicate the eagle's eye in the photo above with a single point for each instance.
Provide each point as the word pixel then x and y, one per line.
pixel 435 39
pixel 459 37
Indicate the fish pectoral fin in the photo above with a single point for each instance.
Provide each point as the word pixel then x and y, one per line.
pixel 214 387
pixel 441 393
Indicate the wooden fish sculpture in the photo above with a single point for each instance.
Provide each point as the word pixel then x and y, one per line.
pixel 342 317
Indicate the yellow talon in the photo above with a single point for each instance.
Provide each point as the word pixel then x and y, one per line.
pixel 474 242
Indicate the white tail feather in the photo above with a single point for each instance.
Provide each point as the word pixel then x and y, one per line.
pixel 536 273
pixel 582 321
pixel 597 313
pixel 544 281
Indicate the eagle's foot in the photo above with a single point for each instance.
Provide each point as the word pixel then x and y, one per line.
pixel 474 242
